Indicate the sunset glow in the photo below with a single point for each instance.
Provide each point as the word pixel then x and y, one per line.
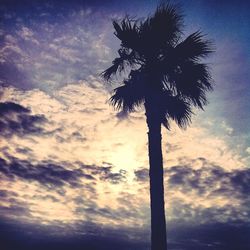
pixel 73 166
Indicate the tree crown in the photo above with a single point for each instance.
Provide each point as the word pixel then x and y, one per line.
pixel 162 64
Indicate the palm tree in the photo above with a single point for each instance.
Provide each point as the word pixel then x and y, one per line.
pixel 167 77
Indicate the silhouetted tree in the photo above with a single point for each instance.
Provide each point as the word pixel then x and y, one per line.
pixel 168 78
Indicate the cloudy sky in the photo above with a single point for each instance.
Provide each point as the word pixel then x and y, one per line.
pixel 74 172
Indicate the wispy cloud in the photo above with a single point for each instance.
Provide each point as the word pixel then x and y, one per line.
pixel 71 166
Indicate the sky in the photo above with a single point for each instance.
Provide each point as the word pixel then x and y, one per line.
pixel 74 172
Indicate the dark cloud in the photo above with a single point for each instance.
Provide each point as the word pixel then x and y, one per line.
pixel 57 177
pixel 24 150
pixel 213 236
pixel 115 178
pixel 84 235
pixel 78 136
pixel 142 174
pixel 204 233
pixel 18 120
pixel 6 193
pixel 210 180
pixel 15 210
pixel 212 212
pixel 105 173
pixel 12 206
pixel 46 173
pixel 108 213
pixel 210 236
pixel 45 197
pixel 51 174
pixel 10 107
pixel 74 136
pixel 211 185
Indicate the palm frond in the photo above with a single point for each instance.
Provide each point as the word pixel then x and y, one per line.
pixel 128 96
pixel 161 66
pixel 175 108
pixel 163 28
pixel 126 58
pixel 118 66
pixel 191 81
pixel 194 47
pixel 191 50
pixel 128 32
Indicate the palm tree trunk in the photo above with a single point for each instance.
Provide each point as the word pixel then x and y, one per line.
pixel 158 222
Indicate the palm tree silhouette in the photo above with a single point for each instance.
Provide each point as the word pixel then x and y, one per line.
pixel 168 78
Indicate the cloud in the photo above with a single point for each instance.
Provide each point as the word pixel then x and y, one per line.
pixel 74 136
pixel 7 193
pixel 82 132
pixel 65 192
pixel 53 175
pixel 9 107
pixel 48 54
pixel 27 35
pixel 12 206
pixel 203 194
pixel 83 236
pixel 209 194
pixel 24 150
pixel 216 236
pixel 142 174
pixel 210 180
pixel 18 120
pixel 248 150
pixel 48 174
pixel 100 204
pixel 15 210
